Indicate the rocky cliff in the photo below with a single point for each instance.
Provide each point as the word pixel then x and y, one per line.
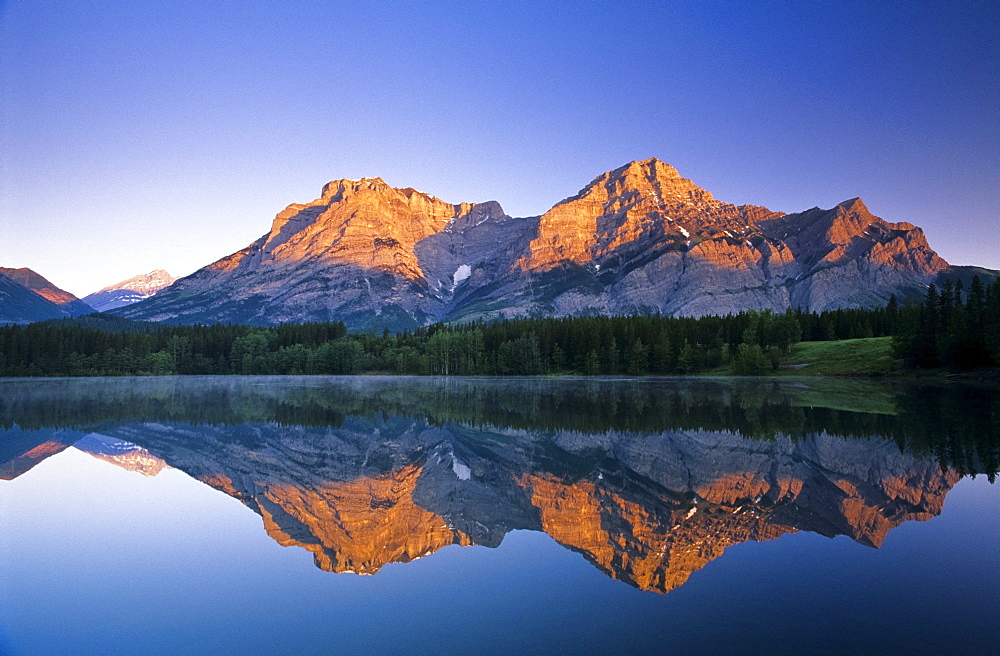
pixel 642 239
pixel 638 239
pixel 364 253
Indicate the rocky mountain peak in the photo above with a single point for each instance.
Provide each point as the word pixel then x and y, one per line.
pixel 353 218
pixel 147 283
pixel 476 214
pixel 853 205
pixel 637 239
pixel 627 208
pixel 652 177
pixel 129 291
pixel 346 185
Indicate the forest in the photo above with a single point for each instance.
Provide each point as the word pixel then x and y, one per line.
pixel 952 328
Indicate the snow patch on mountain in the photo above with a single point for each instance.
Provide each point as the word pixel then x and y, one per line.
pixel 461 273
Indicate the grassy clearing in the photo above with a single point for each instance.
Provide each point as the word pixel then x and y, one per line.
pixel 847 357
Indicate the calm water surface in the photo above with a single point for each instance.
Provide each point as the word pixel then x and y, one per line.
pixel 238 515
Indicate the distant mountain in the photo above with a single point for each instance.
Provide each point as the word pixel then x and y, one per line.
pixel 965 274
pixel 130 291
pixel 18 304
pixel 638 239
pixel 70 304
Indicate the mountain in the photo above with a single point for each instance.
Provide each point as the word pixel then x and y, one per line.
pixel 18 304
pixel 68 303
pixel 130 291
pixel 638 239
pixel 965 274
pixel 363 253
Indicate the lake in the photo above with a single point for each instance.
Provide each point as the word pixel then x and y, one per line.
pixel 398 515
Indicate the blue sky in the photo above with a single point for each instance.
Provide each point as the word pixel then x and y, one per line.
pixel 139 135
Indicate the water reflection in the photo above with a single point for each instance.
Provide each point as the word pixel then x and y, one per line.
pixel 648 480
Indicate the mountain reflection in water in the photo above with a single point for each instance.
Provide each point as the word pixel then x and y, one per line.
pixel 648 479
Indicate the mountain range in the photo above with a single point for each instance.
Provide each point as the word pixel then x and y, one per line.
pixel 638 239
pixel 26 297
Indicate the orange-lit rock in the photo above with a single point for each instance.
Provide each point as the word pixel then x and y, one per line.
pixel 642 204
pixel 658 544
pixel 362 222
pixel 638 239
pixel 350 255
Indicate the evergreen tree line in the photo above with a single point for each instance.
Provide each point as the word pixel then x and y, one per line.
pixel 950 327
pixel 953 327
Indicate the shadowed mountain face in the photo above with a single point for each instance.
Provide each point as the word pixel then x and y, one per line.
pixel 363 487
pixel 69 304
pixel 638 239
pixel 20 305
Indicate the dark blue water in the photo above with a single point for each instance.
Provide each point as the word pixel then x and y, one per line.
pixel 149 517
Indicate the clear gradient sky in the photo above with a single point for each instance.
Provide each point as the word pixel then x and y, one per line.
pixel 143 134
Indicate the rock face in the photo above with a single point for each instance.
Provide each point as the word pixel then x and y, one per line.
pixel 690 496
pixel 68 305
pixel 130 291
pixel 361 253
pixel 638 239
